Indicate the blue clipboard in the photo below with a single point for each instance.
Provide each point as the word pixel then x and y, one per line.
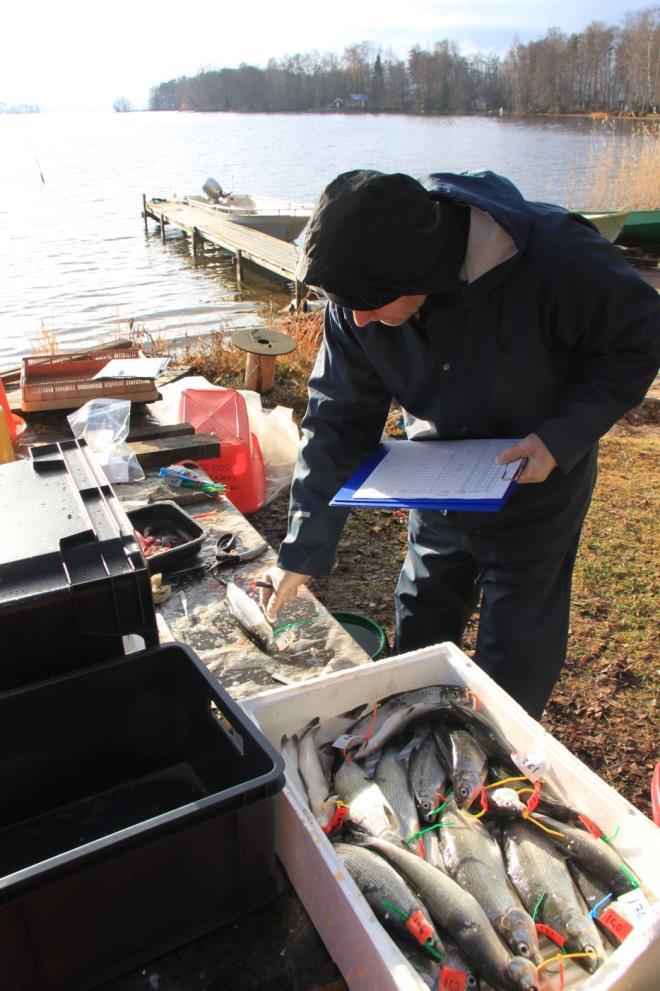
pixel 345 497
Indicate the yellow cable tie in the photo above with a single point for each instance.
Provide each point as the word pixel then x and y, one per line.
pixel 505 781
pixel 551 832
pixel 565 956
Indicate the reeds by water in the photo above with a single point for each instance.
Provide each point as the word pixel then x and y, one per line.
pixel 625 175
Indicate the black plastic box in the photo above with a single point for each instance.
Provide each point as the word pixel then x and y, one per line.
pixel 167 519
pixel 73 579
pixel 138 811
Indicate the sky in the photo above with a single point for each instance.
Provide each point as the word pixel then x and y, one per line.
pixel 77 54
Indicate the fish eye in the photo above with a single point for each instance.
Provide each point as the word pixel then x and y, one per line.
pixel 523 949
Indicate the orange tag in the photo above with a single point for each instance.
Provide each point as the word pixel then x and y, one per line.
pixel 591 826
pixel 452 980
pixel 419 927
pixel 619 927
pixel 337 820
pixel 550 933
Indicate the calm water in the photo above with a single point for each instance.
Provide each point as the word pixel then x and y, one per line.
pixel 77 261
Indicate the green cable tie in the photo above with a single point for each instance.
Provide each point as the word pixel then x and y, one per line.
pixel 437 811
pixel 290 626
pixel 438 825
pixel 434 953
pixel 608 839
pixel 538 905
pixel 398 911
pixel 631 877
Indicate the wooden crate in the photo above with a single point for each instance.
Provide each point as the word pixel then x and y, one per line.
pixel 67 381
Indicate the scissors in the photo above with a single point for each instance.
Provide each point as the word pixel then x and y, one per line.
pixel 226 551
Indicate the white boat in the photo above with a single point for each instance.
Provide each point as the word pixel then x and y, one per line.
pixel 279 218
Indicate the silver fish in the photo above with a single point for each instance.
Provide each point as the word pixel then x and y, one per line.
pixel 387 893
pixel 249 617
pixel 369 812
pixel 467 761
pixel 472 857
pixel 317 784
pixel 289 751
pixel 373 730
pixel 428 778
pixel 539 875
pixel 596 856
pixel 462 916
pixel 392 778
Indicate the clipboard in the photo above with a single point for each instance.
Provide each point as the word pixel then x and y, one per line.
pixel 348 497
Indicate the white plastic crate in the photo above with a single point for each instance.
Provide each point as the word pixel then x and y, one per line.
pixel 364 953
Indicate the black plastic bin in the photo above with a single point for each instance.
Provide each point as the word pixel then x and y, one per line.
pixel 73 579
pixel 138 811
pixel 165 518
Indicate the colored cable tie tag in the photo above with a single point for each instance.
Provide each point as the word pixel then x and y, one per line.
pixel 452 980
pixel 533 766
pixel 337 821
pixel 534 798
pixel 550 933
pixel 591 826
pixel 419 927
pixel 616 924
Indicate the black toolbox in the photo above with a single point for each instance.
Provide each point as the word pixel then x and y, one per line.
pixel 73 579
pixel 138 812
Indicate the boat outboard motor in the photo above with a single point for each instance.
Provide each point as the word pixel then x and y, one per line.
pixel 213 190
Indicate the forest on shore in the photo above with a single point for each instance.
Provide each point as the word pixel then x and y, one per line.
pixel 608 68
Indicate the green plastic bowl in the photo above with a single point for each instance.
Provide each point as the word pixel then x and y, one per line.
pixel 370 636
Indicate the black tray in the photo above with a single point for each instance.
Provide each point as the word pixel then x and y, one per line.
pixel 167 518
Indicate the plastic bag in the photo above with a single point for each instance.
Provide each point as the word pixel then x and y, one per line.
pixel 278 439
pixel 104 425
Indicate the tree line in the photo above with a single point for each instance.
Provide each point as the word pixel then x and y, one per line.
pixel 603 68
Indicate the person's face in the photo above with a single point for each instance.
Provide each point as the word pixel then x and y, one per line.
pixel 392 314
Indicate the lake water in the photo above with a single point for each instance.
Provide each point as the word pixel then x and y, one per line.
pixel 77 264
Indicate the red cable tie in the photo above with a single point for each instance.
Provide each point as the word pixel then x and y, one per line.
pixel 534 798
pixel 550 933
pixel 591 826
pixel 337 820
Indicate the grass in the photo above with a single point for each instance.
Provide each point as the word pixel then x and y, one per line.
pixel 625 174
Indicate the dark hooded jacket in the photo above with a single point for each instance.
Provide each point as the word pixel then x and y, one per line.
pixel 561 339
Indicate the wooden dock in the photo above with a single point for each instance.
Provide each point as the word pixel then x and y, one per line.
pixel 246 244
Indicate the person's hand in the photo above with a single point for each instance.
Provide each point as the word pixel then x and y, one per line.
pixel 539 460
pixel 285 589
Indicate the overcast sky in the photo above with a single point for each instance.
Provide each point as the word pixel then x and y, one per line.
pixel 75 54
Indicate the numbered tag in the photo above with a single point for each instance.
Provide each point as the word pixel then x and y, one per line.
pixel 619 927
pixel 634 906
pixel 419 927
pixel 346 740
pixel 533 766
pixel 452 980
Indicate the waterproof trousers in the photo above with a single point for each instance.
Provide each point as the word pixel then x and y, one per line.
pixel 524 616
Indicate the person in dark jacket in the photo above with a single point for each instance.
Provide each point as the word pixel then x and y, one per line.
pixel 483 315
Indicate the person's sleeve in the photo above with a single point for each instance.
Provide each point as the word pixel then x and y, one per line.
pixel 346 414
pixel 607 321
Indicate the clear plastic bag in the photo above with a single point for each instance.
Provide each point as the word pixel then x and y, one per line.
pixel 279 440
pixel 104 425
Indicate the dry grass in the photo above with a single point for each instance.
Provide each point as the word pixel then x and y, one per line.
pixel 46 341
pixel 625 173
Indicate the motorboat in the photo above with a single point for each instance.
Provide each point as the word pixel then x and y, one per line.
pixel 277 217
